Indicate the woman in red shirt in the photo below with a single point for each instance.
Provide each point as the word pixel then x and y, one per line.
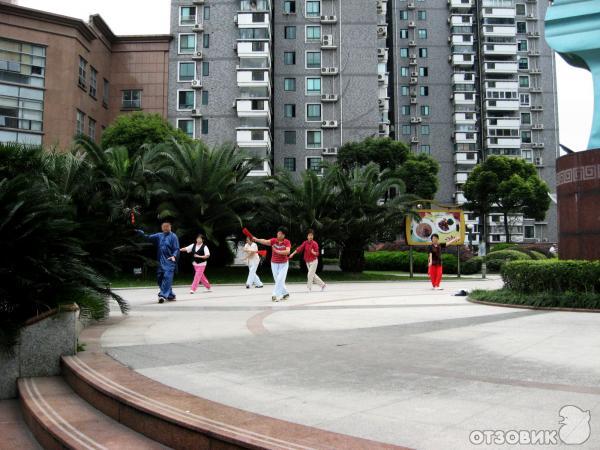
pixel 310 252
pixel 279 262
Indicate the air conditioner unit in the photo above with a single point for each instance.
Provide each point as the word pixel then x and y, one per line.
pixel 198 27
pixel 196 113
pixel 538 161
pixel 197 84
pixel 414 139
pixel 198 55
pixel 235 19
pixel 382 31
pixel 412 43
pixel 413 80
pixel 330 151
pixel 412 61
pixel 328 19
pixel 537 107
pixel 329 124
pixel 415 119
pixel 327 40
pixel 329 97
pixel 198 2
pixel 413 101
pixel 329 70
pixel 381 77
pixel 414 73
pixel 382 52
pixel 412 24
pixel 538 126
pixel 449 58
pixel 411 5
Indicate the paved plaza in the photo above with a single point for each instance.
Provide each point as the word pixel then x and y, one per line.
pixel 394 362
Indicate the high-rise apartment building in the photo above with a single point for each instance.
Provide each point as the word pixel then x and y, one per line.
pixel 473 78
pixel 286 81
pixel 61 76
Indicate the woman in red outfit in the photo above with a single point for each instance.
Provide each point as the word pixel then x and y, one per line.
pixel 435 259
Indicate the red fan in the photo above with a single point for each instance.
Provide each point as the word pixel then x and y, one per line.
pixel 247 233
pixel 262 253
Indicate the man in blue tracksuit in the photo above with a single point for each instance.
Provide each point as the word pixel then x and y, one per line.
pixel 167 252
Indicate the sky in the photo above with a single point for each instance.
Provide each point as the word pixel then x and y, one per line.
pixel 575 90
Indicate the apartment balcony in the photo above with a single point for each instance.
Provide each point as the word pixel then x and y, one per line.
pixel 253 138
pixel 498 13
pixel 461 177
pixel 255 49
pixel 462 119
pixel 465 138
pixel 502 105
pixel 253 78
pixel 460 5
pixel 462 60
pixel 464 20
pixel 500 49
pixel 466 158
pixel 499 31
pixel 504 142
pixel 461 39
pixel 463 99
pixel 514 123
pixel 502 85
pixel 463 77
pixel 253 20
pixel 503 67
pixel 253 108
pixel 459 197
pixel 261 170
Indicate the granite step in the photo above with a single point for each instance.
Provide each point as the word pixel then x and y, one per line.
pixel 60 419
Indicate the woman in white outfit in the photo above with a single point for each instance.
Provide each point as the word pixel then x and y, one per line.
pixel 251 250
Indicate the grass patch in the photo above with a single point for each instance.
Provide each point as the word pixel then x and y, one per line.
pixel 237 275
pixel 576 300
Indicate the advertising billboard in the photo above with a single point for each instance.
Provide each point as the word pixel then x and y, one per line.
pixel 447 224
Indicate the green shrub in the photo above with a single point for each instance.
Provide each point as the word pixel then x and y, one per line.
pixel 552 276
pixel 472 266
pixel 400 261
pixel 569 299
pixel 537 255
pixel 496 260
pixel 503 246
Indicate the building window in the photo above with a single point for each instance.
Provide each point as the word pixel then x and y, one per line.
pixel 404 15
pixel 422 33
pixel 404 52
pixel 404 33
pixel 406 110
pixel 522 45
pixel 425 110
pixel 289 58
pixel 204 126
pixel 80 119
pixel 204 97
pixel 290 32
pixel 289 164
pixel 404 91
pixel 187 43
pixel 185 100
pixel 523 64
pixel 206 14
pixel 425 130
pixel 526 118
pixel 314 164
pixel 520 9
pixel 92 129
pixel 529 232
pixel 421 15
pixel 131 99
pixel 187 71
pixel 521 27
pixel 313 112
pixel 423 53
pixel 404 71
pixel 524 99
pixel 93 82
pixel 526 137
pixel 289 110
pixel 313 86
pixel 313 60
pixel 524 81
pixel 423 71
pixel 289 7
pixel 313 8
pixel 289 84
pixel 406 130
pixel 289 137
pixel 187 126
pixel 423 91
pixel 313 139
pixel 82 71
pixel 426 149
pixel 187 15
pixel 206 40
pixel 205 68
pixel 313 33
pixel 105 92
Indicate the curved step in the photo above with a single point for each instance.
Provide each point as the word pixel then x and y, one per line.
pixel 183 421
pixel 13 429
pixel 60 419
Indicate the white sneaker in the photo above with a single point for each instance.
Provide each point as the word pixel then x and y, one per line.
pixel 192 292
pixel 440 288
pixel 323 287
pixel 207 290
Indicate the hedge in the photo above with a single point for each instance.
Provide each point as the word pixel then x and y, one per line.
pixel 400 261
pixel 537 255
pixel 503 246
pixel 578 300
pixel 496 260
pixel 472 266
pixel 552 276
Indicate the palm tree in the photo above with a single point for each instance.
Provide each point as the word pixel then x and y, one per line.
pixel 362 210
pixel 205 190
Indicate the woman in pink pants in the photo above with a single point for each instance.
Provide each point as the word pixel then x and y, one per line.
pixel 200 253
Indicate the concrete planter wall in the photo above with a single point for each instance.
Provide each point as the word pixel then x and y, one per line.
pixel 41 344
